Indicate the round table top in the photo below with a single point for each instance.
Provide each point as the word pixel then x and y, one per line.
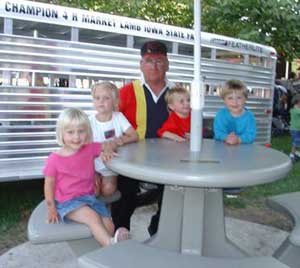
pixel 218 165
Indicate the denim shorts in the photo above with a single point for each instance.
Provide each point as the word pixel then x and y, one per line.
pixel 295 135
pixel 66 207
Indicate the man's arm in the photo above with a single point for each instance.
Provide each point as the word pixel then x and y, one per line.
pixel 127 104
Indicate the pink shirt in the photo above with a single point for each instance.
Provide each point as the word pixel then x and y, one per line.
pixel 74 174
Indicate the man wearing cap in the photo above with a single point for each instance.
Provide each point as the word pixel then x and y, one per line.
pixel 143 104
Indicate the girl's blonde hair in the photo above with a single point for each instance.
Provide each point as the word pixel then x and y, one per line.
pixel 107 86
pixel 232 86
pixel 170 94
pixel 72 116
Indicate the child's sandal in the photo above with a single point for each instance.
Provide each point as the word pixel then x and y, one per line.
pixel 121 234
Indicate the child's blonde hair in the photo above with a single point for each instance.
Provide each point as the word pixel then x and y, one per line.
pixel 107 86
pixel 72 116
pixel 232 86
pixel 170 94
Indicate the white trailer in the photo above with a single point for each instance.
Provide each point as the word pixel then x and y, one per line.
pixel 51 55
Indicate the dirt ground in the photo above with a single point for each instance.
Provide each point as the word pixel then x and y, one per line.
pixel 14 236
pixel 262 215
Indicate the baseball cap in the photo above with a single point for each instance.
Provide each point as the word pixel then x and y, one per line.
pixel 154 47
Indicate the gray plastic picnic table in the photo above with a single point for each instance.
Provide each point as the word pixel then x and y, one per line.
pixel 192 214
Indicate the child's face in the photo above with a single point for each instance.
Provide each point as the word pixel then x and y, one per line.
pixel 297 105
pixel 235 102
pixel 74 137
pixel 181 104
pixel 103 101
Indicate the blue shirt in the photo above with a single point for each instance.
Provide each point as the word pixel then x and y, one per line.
pixel 244 126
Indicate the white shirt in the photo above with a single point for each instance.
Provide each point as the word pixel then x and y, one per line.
pixel 108 130
pixel 154 97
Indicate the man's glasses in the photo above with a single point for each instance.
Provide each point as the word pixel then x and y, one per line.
pixel 152 62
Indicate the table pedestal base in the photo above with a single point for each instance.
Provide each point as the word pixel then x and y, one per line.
pixel 192 222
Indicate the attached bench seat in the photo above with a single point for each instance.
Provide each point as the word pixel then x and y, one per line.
pixel 289 251
pixel 41 232
pixel 133 254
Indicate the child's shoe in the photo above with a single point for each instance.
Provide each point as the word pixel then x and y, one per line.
pixel 292 157
pixel 297 154
pixel 232 192
pixel 121 234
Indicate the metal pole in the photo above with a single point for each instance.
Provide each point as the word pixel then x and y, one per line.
pixel 197 93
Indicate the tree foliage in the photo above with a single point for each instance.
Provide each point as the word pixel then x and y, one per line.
pixel 167 11
pixel 173 12
pixel 271 22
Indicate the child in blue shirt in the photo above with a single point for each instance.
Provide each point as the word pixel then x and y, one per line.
pixel 234 124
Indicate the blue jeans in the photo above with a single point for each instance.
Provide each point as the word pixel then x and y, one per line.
pixel 66 207
pixel 295 135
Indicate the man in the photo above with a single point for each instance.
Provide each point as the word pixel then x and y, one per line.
pixel 143 104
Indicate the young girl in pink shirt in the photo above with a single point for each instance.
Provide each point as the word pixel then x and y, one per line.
pixel 69 178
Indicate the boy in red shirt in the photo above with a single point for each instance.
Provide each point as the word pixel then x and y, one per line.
pixel 177 127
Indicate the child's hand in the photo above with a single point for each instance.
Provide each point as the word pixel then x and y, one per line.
pixel 178 138
pixel 118 141
pixel 108 151
pixel 172 136
pixel 52 214
pixel 107 156
pixel 187 136
pixel 232 139
pixel 109 146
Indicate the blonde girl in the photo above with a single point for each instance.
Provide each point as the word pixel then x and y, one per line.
pixel 69 178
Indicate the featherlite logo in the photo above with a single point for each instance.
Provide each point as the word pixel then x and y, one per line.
pixel 236 44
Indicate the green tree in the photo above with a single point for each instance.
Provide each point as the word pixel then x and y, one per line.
pixel 174 12
pixel 171 12
pixel 271 22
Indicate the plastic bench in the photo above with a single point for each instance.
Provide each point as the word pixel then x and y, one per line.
pixel 289 250
pixel 133 254
pixel 77 235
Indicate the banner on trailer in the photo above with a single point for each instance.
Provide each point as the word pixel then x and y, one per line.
pixel 47 13
pixel 74 17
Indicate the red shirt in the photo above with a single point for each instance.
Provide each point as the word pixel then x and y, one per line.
pixel 176 125
pixel 127 103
